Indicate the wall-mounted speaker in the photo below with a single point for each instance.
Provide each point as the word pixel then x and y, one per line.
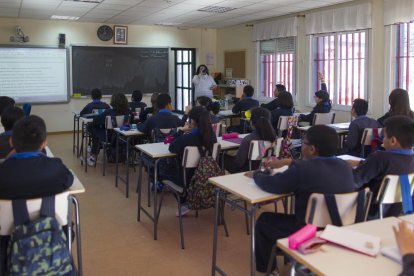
pixel 62 40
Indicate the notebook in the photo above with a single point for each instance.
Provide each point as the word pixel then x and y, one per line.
pixel 359 242
pixel 393 253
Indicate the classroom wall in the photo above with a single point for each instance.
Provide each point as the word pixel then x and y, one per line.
pixel 238 37
pixel 59 117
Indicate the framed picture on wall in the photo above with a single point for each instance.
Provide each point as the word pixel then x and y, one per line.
pixel 120 34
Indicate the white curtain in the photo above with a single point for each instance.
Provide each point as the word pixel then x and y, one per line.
pixel 275 29
pixel 397 11
pixel 351 18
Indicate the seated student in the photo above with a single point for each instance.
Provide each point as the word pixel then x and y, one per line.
pixel 262 130
pixel 200 134
pixel 136 98
pixel 405 240
pixel 398 158
pixel 9 117
pixel 149 110
pixel 163 119
pixel 5 102
pixel 323 105
pixel 214 108
pixel 96 103
pixel 274 104
pixel 246 102
pixel 285 108
pixel 43 176
pixel 399 101
pixel 120 107
pixel 203 101
pixel 319 172
pixel 356 128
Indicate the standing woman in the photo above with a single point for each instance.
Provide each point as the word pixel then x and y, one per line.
pixel 204 84
pixel 399 105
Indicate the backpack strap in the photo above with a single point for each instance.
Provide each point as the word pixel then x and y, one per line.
pixel 359 216
pixel 48 207
pixel 20 212
pixel 407 201
pixel 333 209
pixel 114 123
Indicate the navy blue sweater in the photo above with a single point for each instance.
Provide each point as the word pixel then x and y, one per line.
pixel 244 105
pixel 160 120
pixel 95 104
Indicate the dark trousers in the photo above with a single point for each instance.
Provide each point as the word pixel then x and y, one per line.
pixel 269 228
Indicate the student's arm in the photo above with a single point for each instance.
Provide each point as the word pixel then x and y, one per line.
pixel 85 110
pixel 177 145
pixel 368 170
pixel 241 157
pixel 183 120
pixel 352 137
pixel 145 127
pixel 65 176
pixel 280 183
pixel 308 117
pixel 196 80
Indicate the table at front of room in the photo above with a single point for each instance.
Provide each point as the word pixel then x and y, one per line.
pixel 338 261
pixel 124 136
pixel 244 187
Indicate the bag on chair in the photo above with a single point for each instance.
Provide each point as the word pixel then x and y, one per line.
pixel 200 191
pixel 38 247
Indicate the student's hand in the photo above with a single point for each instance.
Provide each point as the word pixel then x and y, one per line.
pixel 186 127
pixel 321 77
pixel 405 238
pixel 353 163
pixel 249 174
pixel 275 163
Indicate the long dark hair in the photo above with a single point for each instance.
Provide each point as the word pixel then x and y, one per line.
pixel 261 121
pixel 199 67
pixel 202 117
pixel 119 103
pixel 400 103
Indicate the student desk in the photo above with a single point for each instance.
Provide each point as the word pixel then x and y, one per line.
pixel 407 218
pixel 336 260
pixel 155 152
pixel 245 188
pixel 124 136
pixel 76 116
pixel 84 151
pixel 341 129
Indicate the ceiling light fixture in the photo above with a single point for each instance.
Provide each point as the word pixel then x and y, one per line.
pixel 64 17
pixel 216 9
pixel 86 1
pixel 168 24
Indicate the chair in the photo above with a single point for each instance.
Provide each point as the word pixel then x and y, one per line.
pixel 191 157
pixel 366 139
pixel 351 208
pixel 282 125
pixel 159 134
pixel 323 118
pixel 217 129
pixel 390 191
pixel 63 216
pixel 254 153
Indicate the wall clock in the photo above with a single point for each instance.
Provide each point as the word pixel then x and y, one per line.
pixel 105 33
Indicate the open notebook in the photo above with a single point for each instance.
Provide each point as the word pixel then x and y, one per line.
pixel 359 242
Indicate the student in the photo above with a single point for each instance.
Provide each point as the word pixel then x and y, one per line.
pixel 285 102
pixel 323 105
pixel 199 133
pixel 136 101
pixel 43 176
pixel 96 103
pixel 214 108
pixel 356 128
pixel 274 104
pixel 399 101
pixel 149 110
pixel 246 102
pixel 262 130
pixel 5 102
pixel 120 107
pixel 398 158
pixel 405 240
pixel 163 119
pixel 9 117
pixel 319 172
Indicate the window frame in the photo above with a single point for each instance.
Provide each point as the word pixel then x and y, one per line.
pixel 335 93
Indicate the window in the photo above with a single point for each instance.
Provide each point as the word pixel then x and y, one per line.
pixel 184 60
pixel 342 59
pixel 276 65
pixel 404 75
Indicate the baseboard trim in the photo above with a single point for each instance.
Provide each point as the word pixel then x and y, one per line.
pixel 59 132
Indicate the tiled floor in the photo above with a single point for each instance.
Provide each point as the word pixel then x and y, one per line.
pixel 115 243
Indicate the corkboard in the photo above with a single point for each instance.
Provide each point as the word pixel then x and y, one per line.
pixel 236 60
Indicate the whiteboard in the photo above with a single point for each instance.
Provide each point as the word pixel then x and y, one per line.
pixel 34 74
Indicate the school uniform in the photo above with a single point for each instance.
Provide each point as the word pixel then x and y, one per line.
pixel 143 116
pixel 163 119
pixel 245 104
pixel 134 105
pixel 371 172
pixel 327 175
pixel 95 104
pixel 356 128
pixel 408 265
pixel 274 104
pixel 322 107
pixel 240 162
pixel 5 147
pixel 276 113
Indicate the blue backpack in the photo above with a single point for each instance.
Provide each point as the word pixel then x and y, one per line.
pixel 38 247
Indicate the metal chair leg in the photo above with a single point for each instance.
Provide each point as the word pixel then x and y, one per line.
pixel 246 217
pixel 271 260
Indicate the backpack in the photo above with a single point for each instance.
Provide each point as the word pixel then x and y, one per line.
pixel 38 247
pixel 200 190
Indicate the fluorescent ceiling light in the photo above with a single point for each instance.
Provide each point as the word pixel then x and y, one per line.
pixel 64 17
pixel 87 1
pixel 216 9
pixel 168 24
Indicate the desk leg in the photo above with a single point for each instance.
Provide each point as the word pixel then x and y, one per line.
pixel 77 135
pixel 216 218
pixel 252 241
pixel 127 167
pixel 74 131
pixel 155 198
pixel 85 145
pixel 116 160
pixel 139 189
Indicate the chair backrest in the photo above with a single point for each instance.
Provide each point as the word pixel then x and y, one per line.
pixel 33 206
pixel 317 212
pixel 390 189
pixel 324 118
pixel 282 124
pixel 191 156
pixel 119 121
pixel 216 151
pixel 159 134
pixel 254 150
pixel 217 129
pixel 367 136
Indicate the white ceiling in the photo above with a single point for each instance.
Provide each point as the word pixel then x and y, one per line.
pixel 149 12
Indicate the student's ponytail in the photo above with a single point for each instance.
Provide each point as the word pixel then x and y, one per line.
pixel 202 117
pixel 261 121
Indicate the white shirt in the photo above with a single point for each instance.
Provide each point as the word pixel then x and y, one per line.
pixel 202 85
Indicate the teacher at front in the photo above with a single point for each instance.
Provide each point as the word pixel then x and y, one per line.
pixel 204 84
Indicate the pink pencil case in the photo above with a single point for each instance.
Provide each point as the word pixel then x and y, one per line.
pixel 304 234
pixel 231 135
